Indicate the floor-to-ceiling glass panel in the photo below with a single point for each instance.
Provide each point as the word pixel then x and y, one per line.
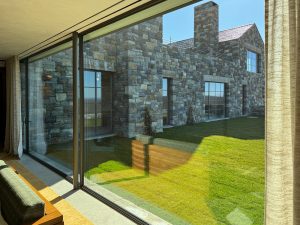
pixel 50 84
pixel 3 106
pixel 23 102
pixel 195 172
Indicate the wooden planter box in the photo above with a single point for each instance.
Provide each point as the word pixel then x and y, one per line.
pixel 156 159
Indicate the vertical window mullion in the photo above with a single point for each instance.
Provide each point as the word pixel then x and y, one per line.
pixel 95 100
pixel 75 111
pixel 82 112
pixel 27 104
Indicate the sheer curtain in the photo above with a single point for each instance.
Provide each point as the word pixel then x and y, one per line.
pixel 13 131
pixel 283 113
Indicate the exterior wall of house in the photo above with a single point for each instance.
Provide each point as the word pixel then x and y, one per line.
pixel 50 101
pixel 206 28
pixel 139 61
pixel 255 81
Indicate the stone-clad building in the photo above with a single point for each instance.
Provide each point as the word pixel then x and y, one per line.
pixel 212 75
pixel 211 56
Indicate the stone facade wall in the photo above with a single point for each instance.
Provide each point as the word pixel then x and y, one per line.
pixel 206 28
pixel 139 61
pixel 50 101
pixel 255 81
pixel 144 74
pixel 107 54
pixel 188 70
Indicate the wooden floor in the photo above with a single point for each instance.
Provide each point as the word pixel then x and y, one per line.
pixel 70 214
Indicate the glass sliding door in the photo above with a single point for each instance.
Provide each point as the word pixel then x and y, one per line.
pixel 23 74
pixel 152 182
pixel 50 107
pixel 177 176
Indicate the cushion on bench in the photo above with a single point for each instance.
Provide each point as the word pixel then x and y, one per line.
pixel 19 204
pixel 2 163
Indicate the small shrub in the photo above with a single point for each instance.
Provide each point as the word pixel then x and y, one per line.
pixel 109 166
pixel 148 123
pixel 190 116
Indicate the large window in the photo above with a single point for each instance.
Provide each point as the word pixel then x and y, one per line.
pixel 98 103
pixel 214 100
pixel 253 62
pixel 193 173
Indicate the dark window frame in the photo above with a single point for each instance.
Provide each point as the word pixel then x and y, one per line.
pixel 97 88
pixel 167 121
pixel 212 103
pixel 253 61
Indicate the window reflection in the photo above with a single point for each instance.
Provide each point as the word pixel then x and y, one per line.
pixel 166 101
pixel 98 103
pixel 214 100
pixel 252 61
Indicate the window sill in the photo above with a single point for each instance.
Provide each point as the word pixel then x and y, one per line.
pixel 254 73
pixel 99 137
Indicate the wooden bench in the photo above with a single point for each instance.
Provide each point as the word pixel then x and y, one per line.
pixel 52 215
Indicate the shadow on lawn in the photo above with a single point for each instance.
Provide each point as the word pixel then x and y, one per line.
pixel 225 173
pixel 116 153
pixel 241 128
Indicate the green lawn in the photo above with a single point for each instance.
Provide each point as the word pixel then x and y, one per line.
pixel 92 122
pixel 222 183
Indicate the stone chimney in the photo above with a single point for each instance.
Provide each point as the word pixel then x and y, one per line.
pixel 206 28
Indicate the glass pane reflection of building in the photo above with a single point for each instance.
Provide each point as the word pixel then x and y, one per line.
pixel 214 100
pixel 98 103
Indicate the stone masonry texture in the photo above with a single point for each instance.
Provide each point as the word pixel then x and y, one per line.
pixel 138 61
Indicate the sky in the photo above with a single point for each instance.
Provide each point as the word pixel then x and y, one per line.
pixel 179 25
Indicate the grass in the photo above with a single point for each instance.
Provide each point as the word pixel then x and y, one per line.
pixel 240 128
pixel 117 149
pixel 222 183
pixel 91 122
pixel 109 166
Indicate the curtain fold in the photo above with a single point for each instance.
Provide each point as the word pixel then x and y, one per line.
pixel 282 202
pixel 13 130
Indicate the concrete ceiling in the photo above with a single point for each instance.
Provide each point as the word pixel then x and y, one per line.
pixel 27 26
pixel 24 24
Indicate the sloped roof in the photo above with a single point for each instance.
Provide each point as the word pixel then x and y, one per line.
pixel 225 35
pixel 187 43
pixel 234 33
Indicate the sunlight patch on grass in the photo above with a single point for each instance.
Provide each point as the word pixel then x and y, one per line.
pixel 109 166
pixel 222 183
pixel 237 217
